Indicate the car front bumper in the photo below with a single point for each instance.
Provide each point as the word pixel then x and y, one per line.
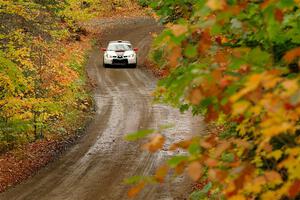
pixel 119 61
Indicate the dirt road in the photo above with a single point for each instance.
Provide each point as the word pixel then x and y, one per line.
pixel 94 168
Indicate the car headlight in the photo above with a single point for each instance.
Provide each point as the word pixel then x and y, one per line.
pixel 132 55
pixel 109 56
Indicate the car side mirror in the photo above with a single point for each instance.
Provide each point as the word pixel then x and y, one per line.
pixel 103 49
pixel 135 49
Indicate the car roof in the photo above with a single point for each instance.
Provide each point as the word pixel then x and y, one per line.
pixel 120 41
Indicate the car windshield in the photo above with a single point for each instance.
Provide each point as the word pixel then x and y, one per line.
pixel 119 47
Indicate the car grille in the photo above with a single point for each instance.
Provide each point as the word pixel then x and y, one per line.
pixel 120 62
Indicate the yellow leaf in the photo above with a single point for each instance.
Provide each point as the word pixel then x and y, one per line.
pixel 271 79
pixel 237 197
pixel 276 129
pixel 179 29
pixel 290 86
pixel 252 84
pixel 255 110
pixel 292 164
pixel 255 186
pixel 240 107
pixel 270 195
pixel 195 170
pixel 275 154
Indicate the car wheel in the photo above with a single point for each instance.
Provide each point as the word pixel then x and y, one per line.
pixel 134 65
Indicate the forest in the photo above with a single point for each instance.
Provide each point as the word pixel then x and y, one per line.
pixel 44 91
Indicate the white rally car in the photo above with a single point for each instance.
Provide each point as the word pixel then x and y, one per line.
pixel 119 53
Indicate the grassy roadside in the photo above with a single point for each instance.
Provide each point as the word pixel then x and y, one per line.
pixel 25 160
pixel 45 96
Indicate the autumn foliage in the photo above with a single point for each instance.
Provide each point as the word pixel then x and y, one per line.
pixel 237 63
pixel 43 91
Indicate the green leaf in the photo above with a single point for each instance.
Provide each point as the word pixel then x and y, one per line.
pixel 138 135
pixel 216 29
pixel 167 126
pixel 232 89
pixel 184 107
pixel 176 160
pixel 206 102
pixel 201 194
pixel 207 187
pixel 197 195
pixel 190 51
pixel 258 57
pixel 228 157
pixel 286 3
pixel 137 179
pixel 194 149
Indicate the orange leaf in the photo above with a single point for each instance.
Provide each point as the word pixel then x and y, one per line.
pixel 211 162
pixel 217 174
pixel 235 164
pixel 182 144
pixel 227 108
pixel 279 15
pixel 294 189
pixel 221 58
pixel 195 96
pixel 221 148
pixel 195 170
pixel 211 114
pixel 266 3
pixel 243 176
pixel 216 4
pixel 209 142
pixel 175 54
pixel 136 190
pixel 216 74
pixel 225 81
pixel 291 55
pixel 180 168
pixel 204 42
pixel 273 177
pixel 241 143
pixel 161 173
pixel 155 144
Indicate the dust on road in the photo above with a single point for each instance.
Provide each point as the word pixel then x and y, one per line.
pixel 94 169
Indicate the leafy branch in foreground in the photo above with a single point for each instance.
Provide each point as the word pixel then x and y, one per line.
pixel 237 63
